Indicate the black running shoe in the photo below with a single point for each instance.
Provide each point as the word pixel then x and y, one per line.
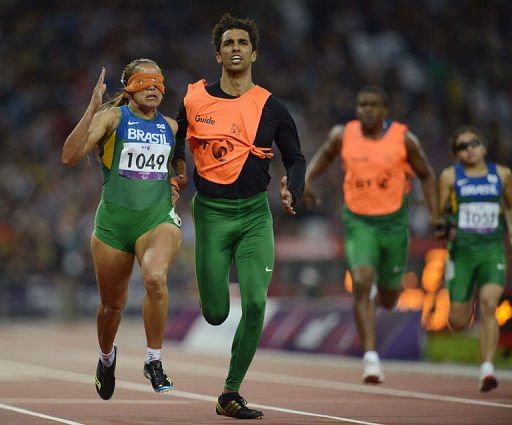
pixel 234 406
pixel 488 383
pixel 153 371
pixel 105 379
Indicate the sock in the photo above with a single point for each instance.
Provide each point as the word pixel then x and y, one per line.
pixel 152 354
pixel 486 369
pixel 371 356
pixel 374 291
pixel 107 359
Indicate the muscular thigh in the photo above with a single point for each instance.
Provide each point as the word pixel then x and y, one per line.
pixel 157 248
pixel 254 254
pixel 121 227
pixel 467 269
pixel 215 237
pixel 460 273
pixel 361 245
pixel 113 269
pixel 492 266
pixel 394 248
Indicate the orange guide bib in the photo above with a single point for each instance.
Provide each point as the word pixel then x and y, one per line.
pixel 221 132
pixel 376 170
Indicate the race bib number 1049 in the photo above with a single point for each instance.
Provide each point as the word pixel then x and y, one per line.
pixel 144 161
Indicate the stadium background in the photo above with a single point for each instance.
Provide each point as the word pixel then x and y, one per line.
pixel 443 63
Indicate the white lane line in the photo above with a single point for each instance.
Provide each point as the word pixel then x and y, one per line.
pixel 38 415
pixel 329 361
pixel 64 375
pixel 217 371
pixel 332 385
pixel 75 401
pixel 323 383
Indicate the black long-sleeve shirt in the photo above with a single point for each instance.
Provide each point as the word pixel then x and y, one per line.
pixel 276 124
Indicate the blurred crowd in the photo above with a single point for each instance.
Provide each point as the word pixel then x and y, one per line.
pixel 444 63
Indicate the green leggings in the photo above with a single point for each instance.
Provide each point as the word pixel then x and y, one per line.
pixel 239 230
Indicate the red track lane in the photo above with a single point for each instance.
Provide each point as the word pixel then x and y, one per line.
pixel 46 377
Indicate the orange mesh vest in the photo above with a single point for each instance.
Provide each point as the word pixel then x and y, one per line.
pixel 376 170
pixel 221 132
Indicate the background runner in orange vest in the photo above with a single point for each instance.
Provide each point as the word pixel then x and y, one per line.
pixel 230 126
pixel 377 157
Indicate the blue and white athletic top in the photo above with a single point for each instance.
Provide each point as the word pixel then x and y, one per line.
pixel 477 206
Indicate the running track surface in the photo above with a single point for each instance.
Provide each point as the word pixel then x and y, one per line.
pixel 46 377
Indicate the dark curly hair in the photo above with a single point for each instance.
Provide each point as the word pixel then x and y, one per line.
pixel 228 22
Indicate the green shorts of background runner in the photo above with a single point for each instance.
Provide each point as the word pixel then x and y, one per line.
pixel 466 268
pixel 239 231
pixel 369 244
pixel 120 227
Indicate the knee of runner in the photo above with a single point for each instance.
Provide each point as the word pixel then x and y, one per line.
pixel 457 323
pixel 488 308
pixel 112 307
pixel 256 308
pixel 361 290
pixel 155 283
pixel 215 318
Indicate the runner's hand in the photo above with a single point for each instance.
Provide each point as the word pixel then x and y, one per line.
pixel 175 195
pixel 177 183
pixel 286 197
pixel 441 228
pixel 98 92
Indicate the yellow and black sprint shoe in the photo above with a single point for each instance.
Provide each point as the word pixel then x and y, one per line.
pixel 105 380
pixel 234 406
pixel 159 380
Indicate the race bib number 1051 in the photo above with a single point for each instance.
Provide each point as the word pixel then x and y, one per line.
pixel 479 217
pixel 144 161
